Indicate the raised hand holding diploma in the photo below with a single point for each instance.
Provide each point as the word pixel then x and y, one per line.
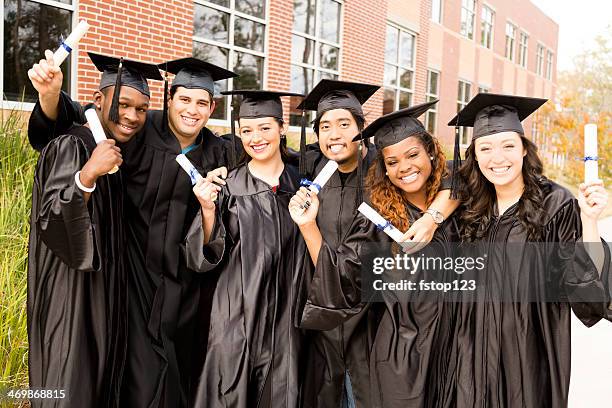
pixel 70 43
pixel 97 130
pixel 196 178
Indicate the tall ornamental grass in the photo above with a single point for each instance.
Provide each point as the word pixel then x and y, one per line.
pixel 17 162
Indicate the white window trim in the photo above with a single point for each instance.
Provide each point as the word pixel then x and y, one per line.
pixel 516 29
pixel 441 13
pixel 461 142
pixel 473 20
pixel 29 106
pixel 526 64
pixel 548 74
pixel 543 47
pixel 492 26
pixel 429 94
pixel 397 88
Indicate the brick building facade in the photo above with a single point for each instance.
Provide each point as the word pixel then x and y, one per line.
pixel 416 49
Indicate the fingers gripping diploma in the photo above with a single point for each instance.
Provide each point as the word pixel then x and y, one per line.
pixel 419 234
pixel 592 199
pixel 206 192
pixel 46 77
pixel 217 175
pixel 304 207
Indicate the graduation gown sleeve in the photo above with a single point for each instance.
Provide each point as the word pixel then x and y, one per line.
pixel 41 129
pixel 63 219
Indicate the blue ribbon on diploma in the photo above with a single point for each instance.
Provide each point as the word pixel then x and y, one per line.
pixel 307 183
pixel 591 158
pixel 382 227
pixel 193 173
pixel 64 45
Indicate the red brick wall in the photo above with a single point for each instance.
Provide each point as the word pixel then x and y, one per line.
pixel 150 31
pixel 279 49
pixel 363 48
pixel 422 45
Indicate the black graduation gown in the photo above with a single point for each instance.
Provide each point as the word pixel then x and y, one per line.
pixel 254 346
pixel 517 354
pixel 344 349
pixel 407 367
pixel 77 284
pixel 169 304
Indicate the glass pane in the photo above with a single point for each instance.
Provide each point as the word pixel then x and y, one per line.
pixel 407 49
pixel 304 16
pixel 468 92
pixel 250 70
pixel 210 24
pixel 405 78
pixel 220 100
pixel 391 47
pixel 433 82
pixel 329 20
pixel 431 122
pixel 29 29
pixel 390 75
pixel 248 34
pixel 405 99
pixel 210 53
pixel 255 8
pixel 302 50
pixel 295 115
pixel 328 56
pixel 326 75
pixel 436 11
pixel 388 101
pixel 301 79
pixel 224 3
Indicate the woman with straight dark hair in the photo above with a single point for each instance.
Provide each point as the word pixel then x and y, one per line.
pixel 248 237
pixel 545 257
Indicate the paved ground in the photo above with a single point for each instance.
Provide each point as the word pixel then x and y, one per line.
pixel 591 381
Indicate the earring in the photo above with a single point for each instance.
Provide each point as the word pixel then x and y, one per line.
pixel 431 158
pixel 386 173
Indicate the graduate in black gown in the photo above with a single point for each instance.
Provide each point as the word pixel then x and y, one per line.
pixel 254 346
pixel 77 281
pixel 545 257
pixel 409 360
pixel 169 305
pixel 337 373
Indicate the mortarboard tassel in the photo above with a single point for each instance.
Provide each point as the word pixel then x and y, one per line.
pixel 233 159
pixel 456 164
pixel 165 112
pixel 360 173
pixel 113 114
pixel 302 167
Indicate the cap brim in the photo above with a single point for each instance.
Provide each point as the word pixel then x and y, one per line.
pixel 524 106
pixel 362 92
pixel 108 63
pixel 193 64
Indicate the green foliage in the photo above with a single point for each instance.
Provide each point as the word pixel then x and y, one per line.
pixel 17 162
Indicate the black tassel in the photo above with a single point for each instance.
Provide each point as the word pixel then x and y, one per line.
pixel 456 164
pixel 165 111
pixel 233 158
pixel 360 173
pixel 113 114
pixel 302 167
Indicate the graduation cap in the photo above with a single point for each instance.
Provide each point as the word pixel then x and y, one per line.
pixel 396 126
pixel 260 104
pixel 123 72
pixel 491 113
pixel 331 94
pixel 192 73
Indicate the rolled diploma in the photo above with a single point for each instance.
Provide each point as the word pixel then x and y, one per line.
pixel 377 219
pixel 97 130
pixel 590 153
pixel 323 176
pixel 70 43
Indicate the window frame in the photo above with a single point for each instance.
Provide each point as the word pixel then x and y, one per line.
pixel 523 51
pixel 492 26
pixel 74 20
pixel 441 13
pixel 463 100
pixel 512 56
pixel 428 95
pixel 549 64
pixel 473 12
pixel 540 59
pixel 397 88
pixel 233 13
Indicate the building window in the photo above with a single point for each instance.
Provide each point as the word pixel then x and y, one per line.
pixel 433 91
pixel 464 91
pixel 486 36
pixel 540 60
pixel 399 69
pixel 510 40
pixel 467 18
pixel 231 34
pixel 315 48
pixel 524 38
pixel 483 89
pixel 31 27
pixel 436 11
pixel 549 65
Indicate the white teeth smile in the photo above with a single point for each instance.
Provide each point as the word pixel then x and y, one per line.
pixel 410 178
pixel 126 128
pixel 260 147
pixel 500 170
pixel 189 121
pixel 336 148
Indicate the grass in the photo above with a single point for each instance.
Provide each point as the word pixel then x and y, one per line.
pixel 17 162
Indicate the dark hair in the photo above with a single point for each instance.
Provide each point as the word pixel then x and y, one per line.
pixel 175 87
pixel 388 199
pixel 357 115
pixel 245 158
pixel 478 195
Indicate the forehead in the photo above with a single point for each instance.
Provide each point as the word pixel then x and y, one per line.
pixel 337 114
pixel 402 146
pixel 253 122
pixel 498 138
pixel 127 92
pixel 193 93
